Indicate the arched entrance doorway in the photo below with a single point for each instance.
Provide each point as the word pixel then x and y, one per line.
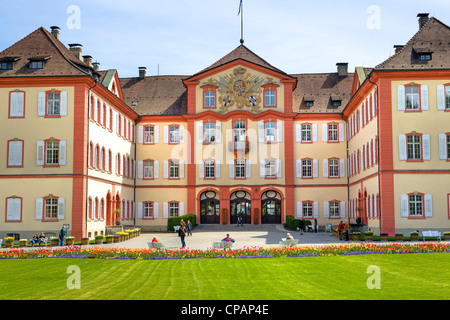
pixel 271 207
pixel 240 203
pixel 209 208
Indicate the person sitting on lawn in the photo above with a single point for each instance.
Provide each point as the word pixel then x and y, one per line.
pixel 228 239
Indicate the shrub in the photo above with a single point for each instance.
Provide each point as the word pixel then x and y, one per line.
pixel 292 223
pixel 175 221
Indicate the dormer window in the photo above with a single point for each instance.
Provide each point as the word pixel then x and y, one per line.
pixel 336 101
pixel 37 64
pixel 425 56
pixel 6 65
pixel 309 101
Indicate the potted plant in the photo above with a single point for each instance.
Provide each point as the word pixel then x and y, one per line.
pixel 383 236
pixel 54 241
pixel 116 238
pixel 399 237
pixel 109 238
pixel 447 235
pixel 23 243
pixel 84 241
pixel 99 239
pixel 356 236
pixel 9 242
pixel 414 236
pixel 368 235
pixel 70 240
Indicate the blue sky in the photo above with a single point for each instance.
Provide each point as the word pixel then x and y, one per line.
pixel 186 36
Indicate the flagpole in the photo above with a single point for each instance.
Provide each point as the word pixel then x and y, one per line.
pixel 242 21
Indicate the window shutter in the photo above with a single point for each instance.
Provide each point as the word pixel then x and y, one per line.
pixel 218 137
pixel 442 146
pixel 166 134
pixel 41 104
pixel 279 168
pixel 199 132
pixel 217 162
pixel 181 209
pixel 13 209
pixel 280 131
pixel 424 96
pixel 370 206
pixel 62 152
pixel 404 203
pixel 401 98
pixel 299 209
pixel 342 209
pixel 298 133
pixel 61 208
pixel 402 146
pixel 369 154
pixel 40 153
pixel 155 210
pixel 181 134
pixel 428 206
pixel 156 169
pixel 261 132
pixel 373 104
pixel 426 147
pixel 341 132
pixel 108 118
pixel 314 132
pixel 63 104
pixel 166 169
pixel 15 153
pixel 342 168
pixel 367 207
pixel 440 97
pixel 248 169
pixel 326 209
pixel 374 151
pixel 231 167
pixel 375 209
pixel 324 132
pixel 17 104
pixel 141 134
pixel 156 133
pixel 181 169
pixel 262 169
pixel 315 168
pixel 316 209
pixel 325 168
pixel 140 170
pixel 299 168
pixel 165 210
pixel 201 169
pixel 141 209
pixel 39 208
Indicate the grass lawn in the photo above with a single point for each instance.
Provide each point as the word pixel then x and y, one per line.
pixel 402 276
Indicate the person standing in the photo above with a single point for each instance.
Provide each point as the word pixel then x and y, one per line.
pixel 62 235
pixel 340 229
pixel 182 235
pixel 301 226
pixel 189 228
pixel 346 229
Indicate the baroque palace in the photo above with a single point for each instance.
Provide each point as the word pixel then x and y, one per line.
pixel 84 147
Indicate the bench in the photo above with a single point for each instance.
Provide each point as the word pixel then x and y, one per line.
pixel 289 242
pixel 223 245
pixel 155 245
pixel 431 233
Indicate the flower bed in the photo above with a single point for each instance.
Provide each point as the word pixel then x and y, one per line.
pixel 248 252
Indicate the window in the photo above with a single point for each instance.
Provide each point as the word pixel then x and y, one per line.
pixel 36 64
pixel 210 99
pixel 14 208
pixel 333 132
pixel 333 168
pixel 149 166
pixel 53 100
pixel 174 170
pixel 307 168
pixel 307 209
pixel 306 132
pixel 415 205
pixel 209 169
pixel 424 56
pixel 448 146
pixel 270 129
pixel 173 209
pixel 210 132
pixel 334 209
pixel 447 97
pixel 270 168
pixel 270 98
pixel 6 65
pixel 174 134
pixel 309 103
pixel 52 153
pixel 149 134
pixel 51 208
pixel 148 210
pixel 15 153
pixel 412 98
pixel 240 169
pixel 239 131
pixel 414 147
pixel 16 104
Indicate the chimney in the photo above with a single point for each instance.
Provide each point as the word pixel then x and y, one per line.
pixel 142 72
pixel 88 60
pixel 398 47
pixel 76 49
pixel 423 18
pixel 342 69
pixel 55 31
pixel 96 65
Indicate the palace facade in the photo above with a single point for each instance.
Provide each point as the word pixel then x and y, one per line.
pixel 84 147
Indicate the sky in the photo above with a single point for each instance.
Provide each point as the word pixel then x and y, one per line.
pixel 183 37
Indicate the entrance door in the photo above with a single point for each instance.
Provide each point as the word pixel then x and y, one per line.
pixel 271 207
pixel 209 208
pixel 241 204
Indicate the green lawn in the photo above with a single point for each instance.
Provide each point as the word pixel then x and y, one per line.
pixel 402 276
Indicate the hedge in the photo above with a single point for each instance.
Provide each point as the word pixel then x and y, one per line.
pixel 175 221
pixel 292 223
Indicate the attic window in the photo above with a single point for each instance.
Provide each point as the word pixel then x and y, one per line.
pixel 424 56
pixel 336 101
pixel 6 65
pixel 36 64
pixel 134 103
pixel 310 103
